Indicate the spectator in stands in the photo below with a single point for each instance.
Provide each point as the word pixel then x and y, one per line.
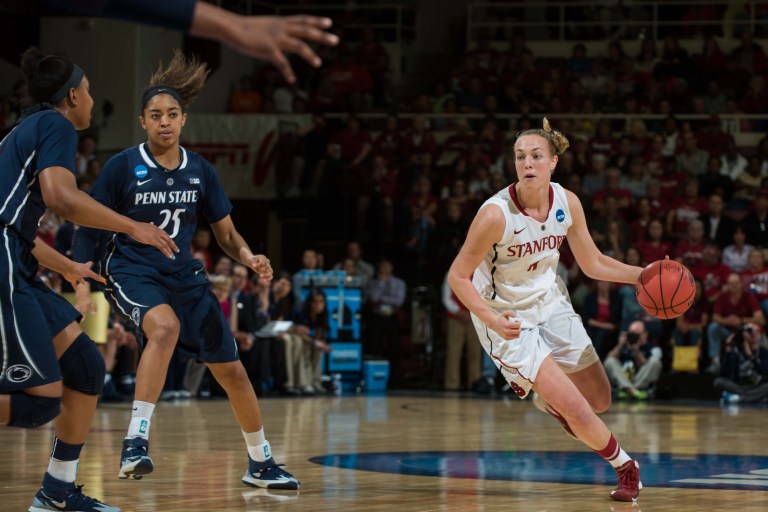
pixel 690 206
pixel 711 271
pixel 354 252
pixel 601 315
pixel 636 179
pixel 419 141
pixel 244 98
pixel 305 279
pixel 594 180
pixel 634 364
pixel 390 143
pixel 375 205
pixel 733 309
pixel 311 325
pixel 612 188
pixel 745 367
pixel 732 163
pixel 460 334
pixel 201 244
pixel 647 58
pixel 714 102
pixel 689 327
pixel 749 55
pixel 642 215
pixel 384 299
pixel 484 55
pixel 688 250
pixel 350 82
pixel 756 279
pixel 352 146
pixel 86 151
pixel 692 160
pixel 371 55
pixel 756 223
pixel 717 226
pixel 736 255
pixel 252 313
pixel 223 266
pixel 713 182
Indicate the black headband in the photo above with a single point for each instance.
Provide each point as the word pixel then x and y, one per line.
pixel 74 80
pixel 160 89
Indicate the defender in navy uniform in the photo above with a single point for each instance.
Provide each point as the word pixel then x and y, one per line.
pixel 171 301
pixel 38 327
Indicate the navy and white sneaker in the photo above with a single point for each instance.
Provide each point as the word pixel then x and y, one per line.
pixel 135 461
pixel 269 475
pixel 65 496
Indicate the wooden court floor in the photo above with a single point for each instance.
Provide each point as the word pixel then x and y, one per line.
pixel 413 453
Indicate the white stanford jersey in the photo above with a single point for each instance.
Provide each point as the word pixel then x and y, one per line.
pixel 521 267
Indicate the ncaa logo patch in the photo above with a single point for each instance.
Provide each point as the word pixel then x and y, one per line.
pixel 140 171
pixel 18 373
pixel 560 215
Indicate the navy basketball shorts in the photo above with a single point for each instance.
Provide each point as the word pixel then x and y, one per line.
pixel 31 314
pixel 205 334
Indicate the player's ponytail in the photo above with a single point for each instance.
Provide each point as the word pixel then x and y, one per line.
pixel 558 142
pixel 183 78
pixel 49 77
pixel 556 138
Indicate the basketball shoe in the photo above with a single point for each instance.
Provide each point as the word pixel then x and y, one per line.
pixel 269 475
pixel 135 461
pixel 65 496
pixel 629 482
pixel 545 407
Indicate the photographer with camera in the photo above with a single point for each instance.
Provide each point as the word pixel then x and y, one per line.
pixel 733 308
pixel 633 365
pixel 744 367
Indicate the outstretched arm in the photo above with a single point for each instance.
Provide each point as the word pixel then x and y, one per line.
pixel 594 263
pixel 236 248
pixel 263 37
pixel 50 258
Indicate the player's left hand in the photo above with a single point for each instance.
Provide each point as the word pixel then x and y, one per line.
pixel 78 272
pixel 261 265
pixel 269 37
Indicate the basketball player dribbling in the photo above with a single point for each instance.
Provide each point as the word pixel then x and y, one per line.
pixel 171 301
pixel 505 275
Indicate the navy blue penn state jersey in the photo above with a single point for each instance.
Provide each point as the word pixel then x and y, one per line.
pixel 44 139
pixel 135 185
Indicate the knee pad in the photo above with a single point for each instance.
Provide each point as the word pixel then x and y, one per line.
pixel 82 367
pixel 29 411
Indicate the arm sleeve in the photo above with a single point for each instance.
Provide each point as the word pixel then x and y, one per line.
pixel 174 14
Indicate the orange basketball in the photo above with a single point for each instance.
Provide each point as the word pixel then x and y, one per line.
pixel 665 289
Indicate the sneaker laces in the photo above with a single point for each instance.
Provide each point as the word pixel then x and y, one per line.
pixel 80 498
pixel 629 477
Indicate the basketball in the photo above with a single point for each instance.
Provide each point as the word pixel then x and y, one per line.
pixel 665 289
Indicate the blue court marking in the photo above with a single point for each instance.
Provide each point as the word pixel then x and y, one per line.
pixel 741 472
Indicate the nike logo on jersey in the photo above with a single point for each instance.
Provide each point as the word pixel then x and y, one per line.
pixel 141 182
pixel 518 231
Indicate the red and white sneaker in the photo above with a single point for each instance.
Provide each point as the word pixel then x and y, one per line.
pixel 629 482
pixel 545 407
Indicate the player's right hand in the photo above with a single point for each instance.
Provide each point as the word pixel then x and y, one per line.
pixel 507 325
pixel 150 234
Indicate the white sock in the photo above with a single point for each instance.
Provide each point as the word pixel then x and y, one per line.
pixel 620 459
pixel 64 470
pixel 258 446
pixel 140 419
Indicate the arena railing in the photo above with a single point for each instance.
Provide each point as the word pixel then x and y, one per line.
pixel 564 21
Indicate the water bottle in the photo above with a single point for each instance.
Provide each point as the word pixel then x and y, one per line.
pixel 337 384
